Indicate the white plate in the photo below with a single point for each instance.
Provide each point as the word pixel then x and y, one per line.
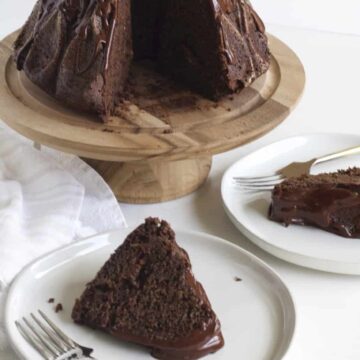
pixel 305 246
pixel 257 314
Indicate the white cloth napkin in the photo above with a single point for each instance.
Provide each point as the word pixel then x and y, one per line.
pixel 47 199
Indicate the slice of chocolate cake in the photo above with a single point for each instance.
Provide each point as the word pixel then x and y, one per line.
pixel 328 201
pixel 79 51
pixel 146 293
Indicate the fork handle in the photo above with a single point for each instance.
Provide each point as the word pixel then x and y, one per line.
pixel 337 155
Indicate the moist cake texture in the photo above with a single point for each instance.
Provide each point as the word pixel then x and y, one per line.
pixel 146 293
pixel 215 47
pixel 80 51
pixel 330 201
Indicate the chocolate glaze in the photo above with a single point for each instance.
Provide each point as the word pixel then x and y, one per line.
pixel 105 10
pixel 241 15
pixel 332 204
pixel 198 348
pixel 226 47
pixel 78 13
pixel 20 53
pixel 72 48
pixel 195 346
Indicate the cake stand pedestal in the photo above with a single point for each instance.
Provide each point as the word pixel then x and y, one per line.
pixel 153 181
pixel 159 144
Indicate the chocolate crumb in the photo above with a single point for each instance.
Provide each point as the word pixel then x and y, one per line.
pixel 51 300
pixel 168 131
pixel 237 279
pixel 59 308
pixel 228 109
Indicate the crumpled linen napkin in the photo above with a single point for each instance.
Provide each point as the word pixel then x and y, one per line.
pixel 47 200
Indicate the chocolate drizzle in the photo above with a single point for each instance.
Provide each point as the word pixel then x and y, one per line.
pixel 105 11
pixel 83 18
pixel 226 46
pixel 327 201
pixel 198 344
pixel 43 12
pixel 72 10
pixel 241 18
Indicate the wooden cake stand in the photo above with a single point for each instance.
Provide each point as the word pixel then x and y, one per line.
pixel 160 144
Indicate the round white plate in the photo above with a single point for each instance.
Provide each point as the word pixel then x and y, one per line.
pixel 257 314
pixel 301 245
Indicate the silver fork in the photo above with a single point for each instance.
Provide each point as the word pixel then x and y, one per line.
pixel 264 183
pixel 49 341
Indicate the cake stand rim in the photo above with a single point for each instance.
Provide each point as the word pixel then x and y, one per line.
pixel 290 66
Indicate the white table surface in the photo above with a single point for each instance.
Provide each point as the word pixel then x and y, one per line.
pixel 328 305
pixel 334 16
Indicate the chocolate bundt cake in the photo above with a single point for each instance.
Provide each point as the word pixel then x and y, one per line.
pixel 146 293
pixel 79 51
pixel 330 201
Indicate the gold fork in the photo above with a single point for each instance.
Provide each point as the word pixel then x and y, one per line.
pixel 264 183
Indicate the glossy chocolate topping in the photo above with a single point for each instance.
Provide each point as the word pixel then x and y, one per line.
pixel 104 10
pixel 245 23
pixel 79 51
pixel 194 348
pixel 196 345
pixel 78 14
pixel 327 201
pixel 41 11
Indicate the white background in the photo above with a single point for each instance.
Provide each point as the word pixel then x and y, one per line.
pixel 330 15
pixel 328 305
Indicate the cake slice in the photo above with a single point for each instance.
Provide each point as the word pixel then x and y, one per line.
pixel 330 201
pixel 146 293
pixel 78 51
pixel 215 47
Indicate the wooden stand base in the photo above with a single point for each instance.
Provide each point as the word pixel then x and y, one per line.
pixel 144 182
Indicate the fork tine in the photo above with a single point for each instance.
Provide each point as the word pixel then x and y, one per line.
pixel 258 186
pixel 258 178
pixel 63 336
pixel 59 343
pixel 253 190
pixel 41 338
pixel 259 182
pixel 28 337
